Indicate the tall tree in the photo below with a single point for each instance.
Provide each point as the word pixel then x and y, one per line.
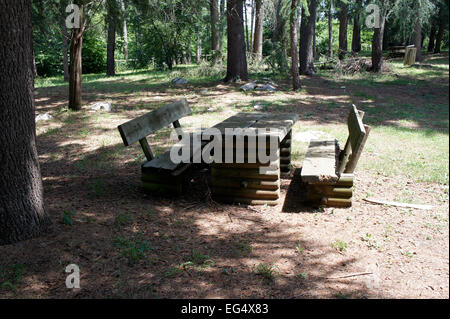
pixel 443 19
pixel 330 28
pixel 76 48
pixel 22 212
pixel 65 37
pixel 111 6
pixel 432 36
pixel 237 60
pixel 343 27
pixel 215 31
pixel 294 44
pixel 307 31
pixel 385 8
pixel 356 37
pixel 125 29
pixel 259 24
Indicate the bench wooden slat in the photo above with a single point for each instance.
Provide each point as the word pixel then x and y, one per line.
pixel 140 127
pixel 319 164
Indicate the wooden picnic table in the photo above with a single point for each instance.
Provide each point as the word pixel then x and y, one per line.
pixel 248 182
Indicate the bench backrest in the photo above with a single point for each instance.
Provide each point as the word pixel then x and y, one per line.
pixel 139 128
pixel 357 136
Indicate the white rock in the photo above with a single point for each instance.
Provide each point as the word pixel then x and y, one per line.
pixel 266 87
pixel 258 107
pixel 108 107
pixel 179 81
pixel 204 91
pixel 43 117
pixel 248 86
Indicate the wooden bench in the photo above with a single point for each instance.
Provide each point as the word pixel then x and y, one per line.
pixel 159 174
pixel 328 169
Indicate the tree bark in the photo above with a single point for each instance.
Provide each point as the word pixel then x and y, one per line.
pixel 277 21
pixel 125 29
pixel 307 39
pixel 356 38
pixel 330 29
pixel 440 34
pixel 259 23
pixel 237 60
pixel 418 39
pixel 432 37
pixel 65 47
pixel 294 44
pixel 75 78
pixel 198 53
pixel 221 22
pixel 22 212
pixel 343 26
pixel 377 46
pixel 111 47
pixel 215 31
pixel 247 42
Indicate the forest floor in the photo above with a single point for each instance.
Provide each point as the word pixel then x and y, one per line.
pixel 129 244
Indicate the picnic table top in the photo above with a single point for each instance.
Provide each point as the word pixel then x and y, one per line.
pixel 279 123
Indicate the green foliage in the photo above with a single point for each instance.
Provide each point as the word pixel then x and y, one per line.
pixel 67 218
pixel 94 53
pixel 133 248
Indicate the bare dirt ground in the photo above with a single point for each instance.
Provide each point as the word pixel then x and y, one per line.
pixel 129 244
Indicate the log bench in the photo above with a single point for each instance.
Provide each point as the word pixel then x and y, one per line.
pixel 328 170
pixel 159 174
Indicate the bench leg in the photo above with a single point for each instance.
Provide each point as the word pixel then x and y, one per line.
pixel 162 184
pixel 332 195
pixel 285 153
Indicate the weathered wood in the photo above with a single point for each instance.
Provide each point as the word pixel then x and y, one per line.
pixel 140 127
pixel 410 56
pixel 344 180
pixel 382 202
pixel 253 173
pixel 329 191
pixel 245 183
pixel 246 193
pixel 337 202
pixel 356 154
pixel 146 148
pixel 319 164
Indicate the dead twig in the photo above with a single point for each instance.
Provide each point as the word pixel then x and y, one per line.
pixel 349 276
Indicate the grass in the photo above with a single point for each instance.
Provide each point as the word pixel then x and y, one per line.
pixel 339 245
pixel 133 248
pixel 267 272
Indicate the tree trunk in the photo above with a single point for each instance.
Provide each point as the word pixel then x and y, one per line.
pixel 215 31
pixel 198 55
pixel 294 44
pixel 343 26
pixel 111 47
pixel 259 23
pixel 432 37
pixel 125 29
pixel 75 77
pixel 22 211
pixel 330 29
pixel 356 38
pixel 222 18
pixel 307 39
pixel 440 34
pixel 418 39
pixel 377 46
pixel 65 52
pixel 237 60
pixel 277 21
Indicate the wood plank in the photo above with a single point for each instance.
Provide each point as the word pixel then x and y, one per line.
pixel 281 123
pixel 140 127
pixel 245 201
pixel 354 158
pixel 245 183
pixel 320 162
pixel 246 193
pixel 253 173
pixel 356 129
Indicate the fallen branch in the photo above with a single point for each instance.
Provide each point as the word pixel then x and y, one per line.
pixel 381 202
pixel 349 276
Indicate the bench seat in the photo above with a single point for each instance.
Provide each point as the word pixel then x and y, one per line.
pixel 320 163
